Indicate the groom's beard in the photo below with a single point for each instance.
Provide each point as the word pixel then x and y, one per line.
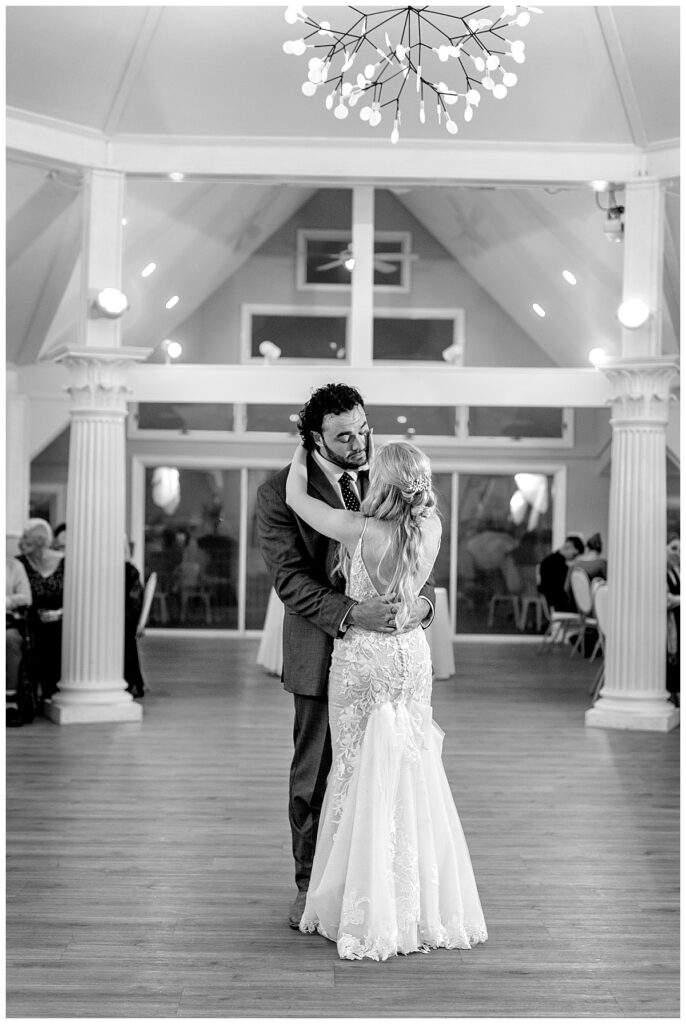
pixel 340 460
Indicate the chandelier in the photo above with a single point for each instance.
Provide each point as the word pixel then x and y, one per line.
pixel 384 52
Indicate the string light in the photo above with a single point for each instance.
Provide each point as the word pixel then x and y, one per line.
pixel 475 45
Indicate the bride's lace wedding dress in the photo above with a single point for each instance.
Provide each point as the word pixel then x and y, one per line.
pixel 392 872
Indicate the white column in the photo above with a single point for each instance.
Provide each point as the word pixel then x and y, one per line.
pixel 103 242
pixel 634 694
pixel 92 687
pixel 643 263
pixel 17 460
pixel 360 342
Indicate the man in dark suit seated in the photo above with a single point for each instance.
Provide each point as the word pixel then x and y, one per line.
pixel 302 564
pixel 553 572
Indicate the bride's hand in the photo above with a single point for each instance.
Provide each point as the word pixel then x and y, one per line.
pixel 370 446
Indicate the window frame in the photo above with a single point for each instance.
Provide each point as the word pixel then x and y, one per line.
pixel 340 238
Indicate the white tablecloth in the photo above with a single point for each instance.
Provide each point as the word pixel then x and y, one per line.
pixel 439 635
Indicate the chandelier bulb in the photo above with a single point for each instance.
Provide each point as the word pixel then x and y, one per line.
pixel 308 88
pixel 492 61
pixel 422 112
pixel 500 92
pixel 341 111
pixel 451 126
pixel 469 113
pixel 365 113
pixel 395 134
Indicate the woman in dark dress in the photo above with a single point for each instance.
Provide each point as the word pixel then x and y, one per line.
pixel 133 602
pixel 673 618
pixel 45 570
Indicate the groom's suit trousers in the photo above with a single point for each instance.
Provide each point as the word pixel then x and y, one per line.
pixel 309 771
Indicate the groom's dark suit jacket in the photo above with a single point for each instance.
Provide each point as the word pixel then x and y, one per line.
pixel 302 566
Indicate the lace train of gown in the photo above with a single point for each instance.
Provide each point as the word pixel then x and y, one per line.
pixel 392 872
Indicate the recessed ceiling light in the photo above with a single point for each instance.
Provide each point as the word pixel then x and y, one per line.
pixel 170 303
pixel 569 277
pixel 177 176
pixel 124 221
pixel 148 269
pixel 538 310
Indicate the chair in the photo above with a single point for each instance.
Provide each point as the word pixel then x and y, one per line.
pixel 192 588
pixel 560 625
pixel 581 589
pixel 530 597
pixel 148 595
pixel 514 586
pixel 601 609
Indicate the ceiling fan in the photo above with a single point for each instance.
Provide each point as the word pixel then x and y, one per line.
pixel 384 262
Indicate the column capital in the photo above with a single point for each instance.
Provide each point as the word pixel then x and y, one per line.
pixel 98 374
pixel 641 387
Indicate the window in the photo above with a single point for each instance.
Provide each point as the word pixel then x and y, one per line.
pixel 324 259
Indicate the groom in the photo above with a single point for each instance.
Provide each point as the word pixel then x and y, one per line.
pixel 334 430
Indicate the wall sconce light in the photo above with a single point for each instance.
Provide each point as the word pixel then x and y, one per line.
pixel 633 313
pixel 269 351
pixel 597 357
pixel 172 350
pixel 453 354
pixel 110 303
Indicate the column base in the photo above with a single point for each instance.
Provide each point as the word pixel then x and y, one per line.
pixel 650 716
pixel 82 714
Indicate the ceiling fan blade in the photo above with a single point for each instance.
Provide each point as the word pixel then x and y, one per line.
pixel 330 266
pixel 384 268
pixel 397 256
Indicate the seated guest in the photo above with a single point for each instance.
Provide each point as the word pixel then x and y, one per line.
pixel 17 600
pixel 133 602
pixel 59 540
pixel 591 561
pixel 673 618
pixel 45 570
pixel 553 575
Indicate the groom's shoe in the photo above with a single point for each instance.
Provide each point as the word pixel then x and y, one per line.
pixel 298 908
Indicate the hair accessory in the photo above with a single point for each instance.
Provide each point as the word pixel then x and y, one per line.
pixel 420 483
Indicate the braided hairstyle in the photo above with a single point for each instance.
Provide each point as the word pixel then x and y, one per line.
pixel 401 493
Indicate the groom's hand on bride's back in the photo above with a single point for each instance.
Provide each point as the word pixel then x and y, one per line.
pixel 377 614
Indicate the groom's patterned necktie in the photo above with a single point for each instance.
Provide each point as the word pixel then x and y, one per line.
pixel 350 499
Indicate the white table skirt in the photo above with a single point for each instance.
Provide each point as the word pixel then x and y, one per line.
pixel 439 635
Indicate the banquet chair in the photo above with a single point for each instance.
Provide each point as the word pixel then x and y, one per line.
pixel 560 625
pixel 601 609
pixel 148 597
pixel 513 585
pixel 581 589
pixel 192 588
pixel 530 597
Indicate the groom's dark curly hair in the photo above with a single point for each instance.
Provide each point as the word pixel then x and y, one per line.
pixel 329 400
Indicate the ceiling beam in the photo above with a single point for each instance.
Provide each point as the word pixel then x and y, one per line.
pixel 381 385
pixel 336 161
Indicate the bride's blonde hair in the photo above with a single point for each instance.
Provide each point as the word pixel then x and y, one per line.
pixel 401 492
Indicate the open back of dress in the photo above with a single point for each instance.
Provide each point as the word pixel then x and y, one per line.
pixel 391 872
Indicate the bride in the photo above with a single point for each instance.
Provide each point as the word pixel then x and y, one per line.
pixel 391 871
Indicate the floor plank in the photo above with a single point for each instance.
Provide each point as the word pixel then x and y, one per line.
pixel 149 868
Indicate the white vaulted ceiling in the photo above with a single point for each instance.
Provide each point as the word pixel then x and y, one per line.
pixel 594 76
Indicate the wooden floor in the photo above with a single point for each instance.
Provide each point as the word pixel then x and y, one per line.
pixel 149 869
